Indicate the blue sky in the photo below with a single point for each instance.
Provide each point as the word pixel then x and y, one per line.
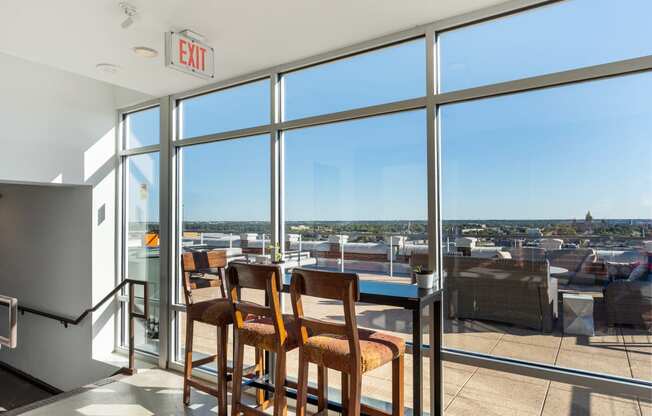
pixel 551 153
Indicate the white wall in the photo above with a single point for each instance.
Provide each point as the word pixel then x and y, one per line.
pixel 51 118
pixel 45 251
pixel 59 127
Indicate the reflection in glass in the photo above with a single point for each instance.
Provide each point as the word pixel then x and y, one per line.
pixel 388 74
pixel 546 197
pixel 561 36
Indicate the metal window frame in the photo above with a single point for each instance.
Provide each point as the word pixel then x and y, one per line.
pixel 432 100
pixel 121 168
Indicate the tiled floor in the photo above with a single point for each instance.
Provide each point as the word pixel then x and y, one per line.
pixel 150 392
pixel 158 392
pixel 475 391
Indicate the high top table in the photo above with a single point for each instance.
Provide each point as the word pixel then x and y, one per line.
pixel 409 297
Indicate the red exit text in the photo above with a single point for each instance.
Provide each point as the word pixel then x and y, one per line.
pixel 192 55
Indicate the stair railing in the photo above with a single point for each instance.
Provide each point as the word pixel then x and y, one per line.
pixel 65 321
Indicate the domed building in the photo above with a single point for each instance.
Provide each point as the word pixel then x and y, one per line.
pixel 587 226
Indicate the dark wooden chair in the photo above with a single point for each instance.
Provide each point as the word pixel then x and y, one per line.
pixel 270 330
pixel 342 347
pixel 201 270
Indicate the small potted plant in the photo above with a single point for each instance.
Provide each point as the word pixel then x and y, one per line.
pixel 425 278
pixel 277 256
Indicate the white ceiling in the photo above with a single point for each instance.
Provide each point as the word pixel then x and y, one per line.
pixel 248 35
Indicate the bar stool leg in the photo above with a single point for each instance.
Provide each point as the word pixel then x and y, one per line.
pixel 260 372
pixel 187 366
pixel 222 337
pixel 322 388
pixel 302 385
pixel 345 393
pixel 355 392
pixel 238 354
pixel 280 402
pixel 397 386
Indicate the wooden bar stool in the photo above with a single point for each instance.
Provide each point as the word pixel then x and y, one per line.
pixel 342 347
pixel 196 267
pixel 271 330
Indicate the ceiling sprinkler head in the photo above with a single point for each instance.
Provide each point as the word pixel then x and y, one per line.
pixel 129 11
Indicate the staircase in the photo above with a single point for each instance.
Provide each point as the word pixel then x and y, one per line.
pixel 17 389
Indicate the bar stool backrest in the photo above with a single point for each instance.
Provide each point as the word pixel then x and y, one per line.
pixel 262 277
pixel 329 285
pixel 196 263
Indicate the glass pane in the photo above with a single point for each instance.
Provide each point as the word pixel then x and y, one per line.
pixel 389 74
pixel 546 207
pixel 355 196
pixel 360 186
pixel 229 109
pixel 226 197
pixel 142 128
pixel 142 237
pixel 562 36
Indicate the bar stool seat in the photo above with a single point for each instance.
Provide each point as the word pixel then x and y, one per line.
pixel 261 332
pixel 213 312
pixel 376 349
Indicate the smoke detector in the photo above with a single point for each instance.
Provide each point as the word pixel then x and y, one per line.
pixel 107 68
pixel 129 11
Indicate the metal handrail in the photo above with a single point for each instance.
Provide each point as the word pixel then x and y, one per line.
pixel 12 339
pixel 132 301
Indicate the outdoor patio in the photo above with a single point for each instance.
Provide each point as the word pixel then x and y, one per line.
pixel 624 352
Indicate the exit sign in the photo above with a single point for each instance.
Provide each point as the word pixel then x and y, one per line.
pixel 189 55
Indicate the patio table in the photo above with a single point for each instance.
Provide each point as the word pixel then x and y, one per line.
pixel 412 298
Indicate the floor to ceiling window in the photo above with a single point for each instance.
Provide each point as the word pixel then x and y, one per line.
pixel 530 167
pixel 546 207
pixel 223 189
pixel 355 191
pixel 225 205
pixel 141 222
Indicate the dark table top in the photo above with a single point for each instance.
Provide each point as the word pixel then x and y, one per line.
pixel 406 296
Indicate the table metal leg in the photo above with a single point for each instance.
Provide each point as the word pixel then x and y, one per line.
pixel 417 363
pixel 436 380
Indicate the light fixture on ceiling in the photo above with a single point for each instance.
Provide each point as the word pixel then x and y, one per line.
pixel 145 52
pixel 129 11
pixel 107 68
